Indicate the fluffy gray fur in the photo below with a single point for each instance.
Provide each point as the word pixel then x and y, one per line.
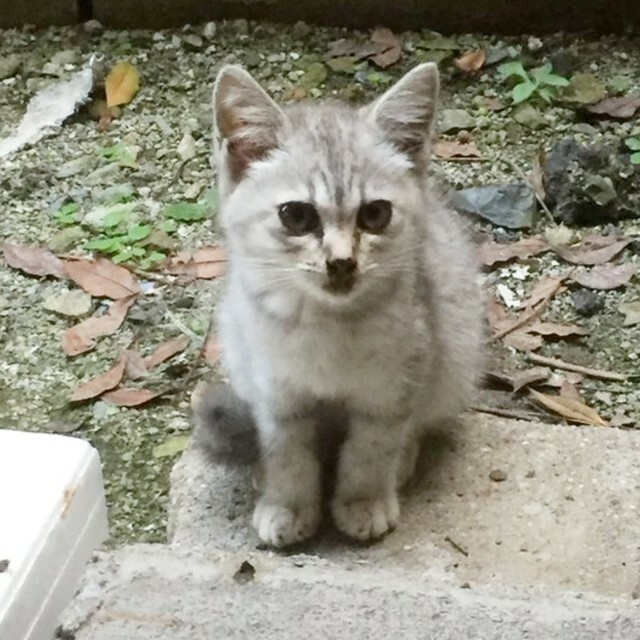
pixel 396 351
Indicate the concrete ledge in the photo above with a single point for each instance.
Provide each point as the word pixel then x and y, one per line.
pixel 157 593
pixel 504 16
pixel 39 12
pixel 462 16
pixel 566 518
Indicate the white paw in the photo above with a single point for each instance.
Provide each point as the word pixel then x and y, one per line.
pixel 280 526
pixel 366 519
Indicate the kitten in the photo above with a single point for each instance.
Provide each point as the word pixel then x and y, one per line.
pixel 350 286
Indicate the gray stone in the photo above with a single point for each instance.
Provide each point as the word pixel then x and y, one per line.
pixel 506 205
pixel 455 120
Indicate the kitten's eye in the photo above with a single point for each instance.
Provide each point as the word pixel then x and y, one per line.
pixel 299 217
pixel 374 216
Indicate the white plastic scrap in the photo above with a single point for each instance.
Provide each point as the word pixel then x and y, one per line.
pixel 50 108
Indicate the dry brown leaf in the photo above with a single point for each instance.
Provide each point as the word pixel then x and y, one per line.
pixel 102 278
pixel 606 276
pixel 447 149
pixel 537 174
pixel 211 350
pixel 98 385
pixel 494 252
pixel 529 376
pixel 545 289
pixel 391 51
pixel 135 364
pixel 496 314
pixel 130 397
pixel 569 408
pixel 346 48
pixel 522 340
pixel 35 261
pixel 205 263
pixel 569 390
pixel 472 61
pixel 555 329
pixel 166 350
pixel 81 337
pixel 121 84
pixel 593 250
pixel 622 108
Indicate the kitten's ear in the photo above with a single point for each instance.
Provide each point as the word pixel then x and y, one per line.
pixel 246 119
pixel 406 111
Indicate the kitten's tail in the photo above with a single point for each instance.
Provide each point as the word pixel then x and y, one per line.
pixel 224 426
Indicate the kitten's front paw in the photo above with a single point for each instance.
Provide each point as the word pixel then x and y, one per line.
pixel 280 526
pixel 366 519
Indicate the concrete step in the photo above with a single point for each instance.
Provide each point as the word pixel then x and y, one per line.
pixel 566 517
pixel 160 593
pixel 551 551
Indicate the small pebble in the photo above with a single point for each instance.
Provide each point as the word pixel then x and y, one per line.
pixel 92 27
pixel 498 475
pixel 586 302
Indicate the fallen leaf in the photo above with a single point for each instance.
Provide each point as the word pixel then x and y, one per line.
pixel 166 350
pixel 522 340
pixel 529 376
pixel 102 278
pixel 496 314
pixel 81 337
pixel 171 446
pixel 205 263
pixel 584 88
pixel 98 385
pixel 606 276
pixel 571 409
pixel 353 49
pixel 631 311
pixel 545 289
pixel 391 51
pixel 569 390
pixel 35 261
pixel 129 396
pixel 211 350
pixel 69 303
pixel 593 250
pixel 447 149
pixel 554 329
pixel 472 61
pixel 622 108
pixel 537 174
pixel 136 367
pixel 494 252
pixel 121 84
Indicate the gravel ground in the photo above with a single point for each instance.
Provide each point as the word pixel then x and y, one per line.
pixel 177 69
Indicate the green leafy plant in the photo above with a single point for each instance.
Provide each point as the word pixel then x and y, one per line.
pixel 536 83
pixel 66 215
pixel 633 144
pixel 122 154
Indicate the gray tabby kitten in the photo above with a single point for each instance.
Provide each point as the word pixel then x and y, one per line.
pixel 351 287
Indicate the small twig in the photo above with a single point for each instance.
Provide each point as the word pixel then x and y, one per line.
pixel 183 327
pixel 155 277
pixel 506 413
pixel 568 366
pixel 528 181
pixel 456 546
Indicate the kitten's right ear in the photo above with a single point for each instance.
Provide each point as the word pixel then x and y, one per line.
pixel 246 119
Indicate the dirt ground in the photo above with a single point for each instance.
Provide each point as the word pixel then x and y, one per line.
pixel 168 124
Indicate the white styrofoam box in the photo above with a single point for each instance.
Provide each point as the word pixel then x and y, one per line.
pixel 52 516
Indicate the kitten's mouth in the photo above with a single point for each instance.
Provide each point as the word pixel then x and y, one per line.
pixel 340 285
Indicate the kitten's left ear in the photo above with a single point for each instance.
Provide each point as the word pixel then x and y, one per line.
pixel 245 117
pixel 406 111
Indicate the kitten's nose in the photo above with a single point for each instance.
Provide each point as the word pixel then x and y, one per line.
pixel 341 268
